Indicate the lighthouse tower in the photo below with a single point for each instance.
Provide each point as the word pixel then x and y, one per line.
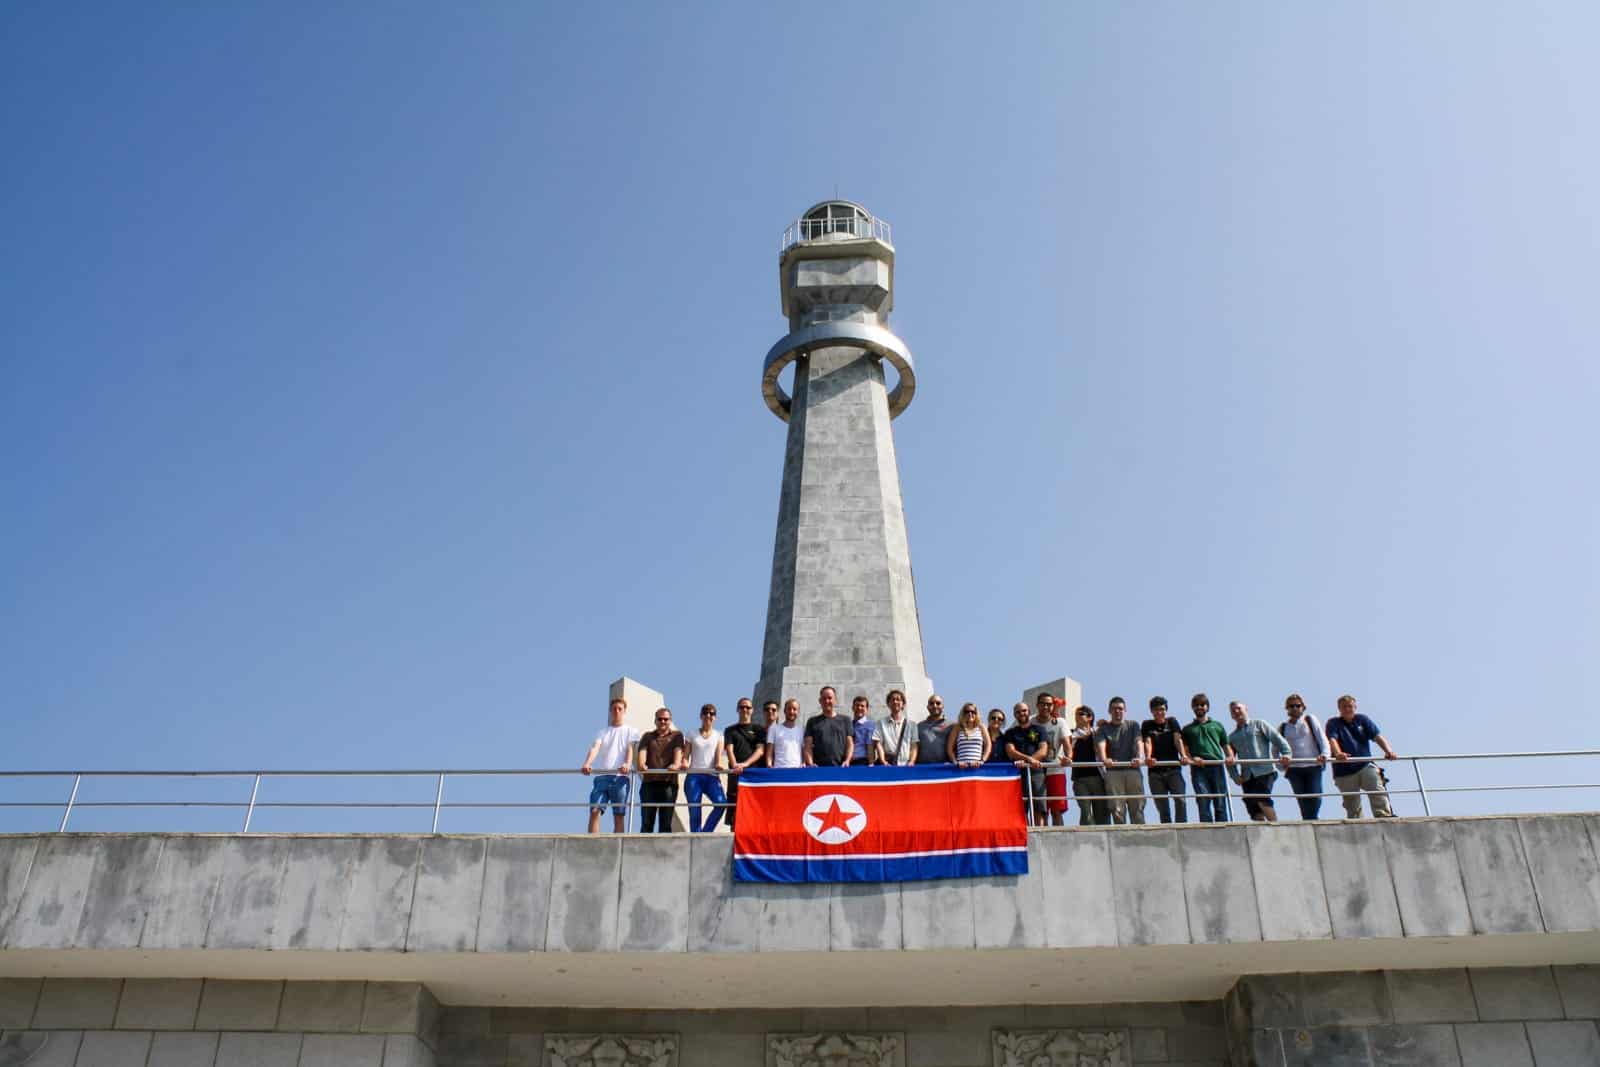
pixel 842 610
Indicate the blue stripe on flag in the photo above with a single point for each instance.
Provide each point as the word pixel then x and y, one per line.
pixel 895 869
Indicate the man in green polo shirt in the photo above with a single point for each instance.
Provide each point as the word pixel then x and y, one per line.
pixel 1207 740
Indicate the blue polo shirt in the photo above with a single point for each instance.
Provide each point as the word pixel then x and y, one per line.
pixel 1355 738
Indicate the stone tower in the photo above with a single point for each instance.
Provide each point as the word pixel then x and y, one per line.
pixel 842 609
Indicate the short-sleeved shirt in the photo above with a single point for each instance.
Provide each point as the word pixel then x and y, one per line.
pixel 786 742
pixel 1206 739
pixel 997 749
pixel 829 736
pixel 1085 760
pixel 1052 734
pixel 1355 738
pixel 897 739
pixel 661 751
pixel 745 739
pixel 1163 738
pixel 931 737
pixel 614 742
pixel 1025 739
pixel 865 731
pixel 703 751
pixel 1122 741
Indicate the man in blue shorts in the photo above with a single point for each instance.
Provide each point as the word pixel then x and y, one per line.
pixel 613 751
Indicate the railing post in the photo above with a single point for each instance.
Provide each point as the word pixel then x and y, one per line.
pixel 1422 790
pixel 77 780
pixel 251 810
pixel 438 798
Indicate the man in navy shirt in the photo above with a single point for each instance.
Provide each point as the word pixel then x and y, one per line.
pixel 1350 736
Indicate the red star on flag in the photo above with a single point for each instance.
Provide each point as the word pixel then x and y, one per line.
pixel 835 818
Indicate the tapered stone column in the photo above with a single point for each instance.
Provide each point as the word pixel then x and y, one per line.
pixel 842 609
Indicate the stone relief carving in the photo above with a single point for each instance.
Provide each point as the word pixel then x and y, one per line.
pixel 611 1050
pixel 833 1050
pixel 1061 1048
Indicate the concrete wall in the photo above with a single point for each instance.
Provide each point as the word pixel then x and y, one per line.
pixel 1507 1017
pixel 92 1022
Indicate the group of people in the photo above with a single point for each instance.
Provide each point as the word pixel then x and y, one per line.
pixel 1101 759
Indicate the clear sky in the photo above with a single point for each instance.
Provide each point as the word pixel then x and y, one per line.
pixel 381 380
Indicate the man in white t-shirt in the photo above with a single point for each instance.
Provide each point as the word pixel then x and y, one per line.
pixel 786 741
pixel 613 752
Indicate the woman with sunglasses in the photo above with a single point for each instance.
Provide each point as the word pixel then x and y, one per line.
pixel 997 726
pixel 969 743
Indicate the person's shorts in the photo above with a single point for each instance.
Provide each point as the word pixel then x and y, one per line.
pixel 1055 788
pixel 609 789
pixel 1033 785
pixel 1256 792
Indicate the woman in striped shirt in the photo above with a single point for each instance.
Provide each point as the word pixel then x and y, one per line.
pixel 969 742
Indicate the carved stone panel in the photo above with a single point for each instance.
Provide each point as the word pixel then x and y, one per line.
pixel 835 1050
pixel 611 1050
pixel 1061 1048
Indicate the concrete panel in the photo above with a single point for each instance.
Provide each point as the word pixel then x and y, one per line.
pixel 937 914
pixel 1288 882
pixel 52 901
pixel 36 1048
pixel 1431 996
pixel 77 1004
pixel 444 909
pixel 1495 872
pixel 259 1050
pixel 393 1008
pixel 1563 1044
pixel 583 894
pixel 119 891
pixel 795 918
pixel 378 907
pixel 1006 911
pixel 17 999
pixel 402 1051
pixel 1219 886
pixel 1351 998
pixel 1493 1045
pixel 1146 870
pixel 1335 1046
pixel 1566 877
pixel 724 915
pixel 232 1005
pixel 183 1050
pixel 1076 867
pixel 1506 993
pixel 1415 1046
pixel 16 861
pixel 183 892
pixel 247 894
pixel 865 917
pixel 651 916
pixel 311 900
pixel 1580 990
pixel 158 1004
pixel 113 1048
pixel 516 894
pixel 1427 878
pixel 322 1007
pixel 342 1050
pixel 1355 878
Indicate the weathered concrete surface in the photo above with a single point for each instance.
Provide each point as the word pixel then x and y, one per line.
pixel 1201 904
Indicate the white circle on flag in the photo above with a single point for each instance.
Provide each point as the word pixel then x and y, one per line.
pixel 834 818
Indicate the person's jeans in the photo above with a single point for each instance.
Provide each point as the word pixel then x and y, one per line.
pixel 1125 786
pixel 1306 780
pixel 657 791
pixel 1090 791
pixel 1211 779
pixel 697 787
pixel 733 799
pixel 609 789
pixel 1365 780
pixel 1164 782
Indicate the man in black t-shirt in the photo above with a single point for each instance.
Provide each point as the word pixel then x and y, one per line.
pixel 1163 743
pixel 1027 748
pixel 747 744
pixel 829 740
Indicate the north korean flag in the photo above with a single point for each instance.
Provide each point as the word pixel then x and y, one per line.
pixel 879 824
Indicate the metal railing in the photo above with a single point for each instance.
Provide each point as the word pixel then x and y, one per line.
pixel 264 785
pixel 858 227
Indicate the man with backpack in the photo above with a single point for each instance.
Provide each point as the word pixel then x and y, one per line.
pixel 1309 746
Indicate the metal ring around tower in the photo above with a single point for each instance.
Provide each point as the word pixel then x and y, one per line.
pixel 874 339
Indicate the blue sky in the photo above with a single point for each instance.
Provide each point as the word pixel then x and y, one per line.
pixel 381 381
